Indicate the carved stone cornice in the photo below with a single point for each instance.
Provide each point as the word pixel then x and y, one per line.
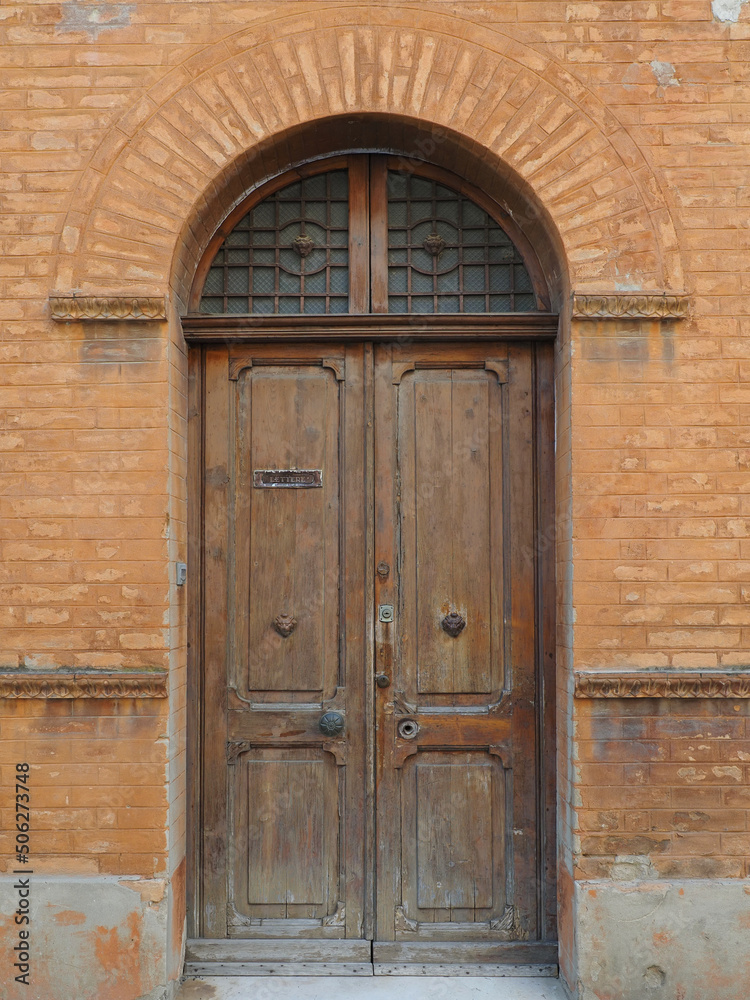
pixel 662 684
pixel 630 305
pixel 78 308
pixel 83 684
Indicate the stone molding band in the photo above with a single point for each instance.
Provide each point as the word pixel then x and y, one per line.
pixel 662 684
pixel 83 684
pixel 117 308
pixel 629 305
pixel 77 308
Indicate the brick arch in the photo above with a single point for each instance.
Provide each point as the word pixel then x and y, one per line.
pixel 182 156
pixel 412 142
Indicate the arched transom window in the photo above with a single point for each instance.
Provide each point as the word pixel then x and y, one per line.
pixel 368 235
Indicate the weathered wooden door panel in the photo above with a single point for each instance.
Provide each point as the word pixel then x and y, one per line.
pixel 286 835
pixel 293 553
pixel 457 730
pixel 451 521
pixel 452 815
pixel 287 537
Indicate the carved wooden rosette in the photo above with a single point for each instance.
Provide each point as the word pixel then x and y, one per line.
pixel 453 623
pixel 285 624
pixel 662 684
pixel 65 684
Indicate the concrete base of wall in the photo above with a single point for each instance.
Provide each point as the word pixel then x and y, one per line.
pixel 662 940
pixel 105 938
pixel 97 938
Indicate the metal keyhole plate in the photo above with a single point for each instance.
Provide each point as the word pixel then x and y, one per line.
pixel 408 729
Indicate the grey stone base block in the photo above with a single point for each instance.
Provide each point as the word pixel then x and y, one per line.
pixel 663 940
pixel 90 938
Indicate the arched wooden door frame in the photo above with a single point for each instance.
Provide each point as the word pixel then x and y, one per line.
pixel 536 330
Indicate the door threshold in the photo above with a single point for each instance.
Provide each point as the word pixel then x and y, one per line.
pixel 274 957
pixel 466 969
pixel 277 969
pixel 277 957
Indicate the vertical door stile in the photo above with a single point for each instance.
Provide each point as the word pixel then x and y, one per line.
pixel 523 639
pixel 367 666
pixel 214 791
pixel 386 594
pixel 194 748
pixel 354 638
pixel 544 435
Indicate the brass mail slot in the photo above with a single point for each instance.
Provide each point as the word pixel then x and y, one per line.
pixel 296 479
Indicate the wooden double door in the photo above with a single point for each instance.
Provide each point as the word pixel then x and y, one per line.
pixel 375 780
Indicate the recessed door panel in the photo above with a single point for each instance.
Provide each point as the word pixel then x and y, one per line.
pixel 289 421
pixel 449 816
pixel 286 835
pixel 449 447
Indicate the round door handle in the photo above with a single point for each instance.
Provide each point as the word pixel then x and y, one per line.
pixel 331 724
pixel 382 680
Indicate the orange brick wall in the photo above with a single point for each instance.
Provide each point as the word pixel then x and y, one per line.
pixel 661 473
pixel 619 133
pixel 97 785
pixel 667 782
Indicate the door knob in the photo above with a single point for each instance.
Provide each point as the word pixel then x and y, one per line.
pixel 331 724
pixel 382 680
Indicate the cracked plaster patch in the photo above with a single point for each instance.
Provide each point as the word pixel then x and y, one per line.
pixel 727 11
pixel 664 73
pixel 93 19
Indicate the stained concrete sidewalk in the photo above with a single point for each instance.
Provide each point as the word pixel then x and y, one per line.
pixel 369 988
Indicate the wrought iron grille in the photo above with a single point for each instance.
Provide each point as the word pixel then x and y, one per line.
pixel 288 255
pixel 447 255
